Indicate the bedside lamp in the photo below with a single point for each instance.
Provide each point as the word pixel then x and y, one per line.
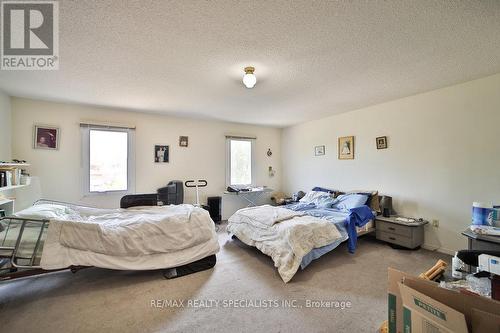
pixel 386 206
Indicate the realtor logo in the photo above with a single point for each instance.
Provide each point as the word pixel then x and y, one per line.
pixel 30 35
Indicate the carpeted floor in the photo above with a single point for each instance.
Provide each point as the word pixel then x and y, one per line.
pixel 98 300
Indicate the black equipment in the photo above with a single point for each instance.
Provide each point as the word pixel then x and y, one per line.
pixel 471 257
pixel 134 200
pixel 232 189
pixel 172 194
pixel 386 205
pixel 215 208
pixel 197 266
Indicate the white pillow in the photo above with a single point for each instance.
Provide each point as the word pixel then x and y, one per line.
pixel 314 196
pixel 44 212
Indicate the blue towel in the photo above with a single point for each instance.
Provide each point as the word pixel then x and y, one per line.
pixel 358 217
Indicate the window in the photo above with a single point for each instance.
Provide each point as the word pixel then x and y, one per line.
pixel 108 159
pixel 240 161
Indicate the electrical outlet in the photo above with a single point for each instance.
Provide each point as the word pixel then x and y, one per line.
pixel 435 223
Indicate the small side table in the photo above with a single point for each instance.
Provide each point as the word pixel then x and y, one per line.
pixel 406 234
pixel 481 242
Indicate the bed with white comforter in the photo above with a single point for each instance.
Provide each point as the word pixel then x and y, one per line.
pixel 296 234
pixel 139 238
pixel 285 235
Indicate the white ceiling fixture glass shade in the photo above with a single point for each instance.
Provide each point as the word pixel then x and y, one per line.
pixel 249 79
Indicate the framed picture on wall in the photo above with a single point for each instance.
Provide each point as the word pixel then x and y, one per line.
pixel 381 142
pixel 183 141
pixel 45 137
pixel 161 154
pixel 319 150
pixel 346 148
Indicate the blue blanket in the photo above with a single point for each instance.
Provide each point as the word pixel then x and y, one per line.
pixel 345 221
pixel 358 217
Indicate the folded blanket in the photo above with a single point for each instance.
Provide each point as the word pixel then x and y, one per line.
pixel 265 215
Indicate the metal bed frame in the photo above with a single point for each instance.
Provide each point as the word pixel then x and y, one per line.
pixel 18 270
pixel 15 249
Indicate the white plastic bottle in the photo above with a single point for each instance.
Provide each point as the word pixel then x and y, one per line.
pixel 456 267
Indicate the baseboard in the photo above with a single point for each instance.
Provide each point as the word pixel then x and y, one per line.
pixel 436 248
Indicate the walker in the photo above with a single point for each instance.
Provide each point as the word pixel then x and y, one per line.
pixel 197 184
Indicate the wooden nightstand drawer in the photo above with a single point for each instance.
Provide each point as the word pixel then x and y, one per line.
pixel 394 228
pixel 396 239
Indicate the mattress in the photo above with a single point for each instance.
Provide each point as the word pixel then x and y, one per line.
pixel 272 236
pixel 285 240
pixel 139 238
pixel 336 217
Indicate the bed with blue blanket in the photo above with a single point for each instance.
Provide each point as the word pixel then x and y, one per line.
pixel 351 224
pixel 294 235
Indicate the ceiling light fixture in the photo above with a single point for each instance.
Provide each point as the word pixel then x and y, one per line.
pixel 249 79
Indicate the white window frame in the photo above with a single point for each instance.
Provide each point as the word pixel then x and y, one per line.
pixel 228 159
pixel 85 133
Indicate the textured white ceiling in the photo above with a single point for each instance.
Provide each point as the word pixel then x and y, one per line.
pixel 312 58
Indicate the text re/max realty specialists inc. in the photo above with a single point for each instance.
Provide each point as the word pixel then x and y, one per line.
pixel 250 303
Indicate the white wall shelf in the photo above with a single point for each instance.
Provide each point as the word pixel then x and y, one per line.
pixel 5 201
pixel 8 206
pixel 14 165
pixel 14 171
pixel 7 188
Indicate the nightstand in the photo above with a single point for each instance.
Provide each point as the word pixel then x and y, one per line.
pixel 406 234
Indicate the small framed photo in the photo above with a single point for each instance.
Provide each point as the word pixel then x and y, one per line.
pixel 381 142
pixel 183 141
pixel 319 150
pixel 162 153
pixel 45 137
pixel 346 148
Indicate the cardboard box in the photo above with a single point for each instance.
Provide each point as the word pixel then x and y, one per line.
pixel 481 314
pixel 421 313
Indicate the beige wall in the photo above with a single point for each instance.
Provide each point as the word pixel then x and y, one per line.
pixel 5 127
pixel 60 171
pixel 444 153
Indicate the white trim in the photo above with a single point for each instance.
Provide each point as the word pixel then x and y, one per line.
pixel 85 160
pixel 439 249
pixel 237 136
pixel 93 123
pixel 228 159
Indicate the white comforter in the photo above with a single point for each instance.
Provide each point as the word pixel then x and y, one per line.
pixel 137 238
pixel 265 216
pixel 285 240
